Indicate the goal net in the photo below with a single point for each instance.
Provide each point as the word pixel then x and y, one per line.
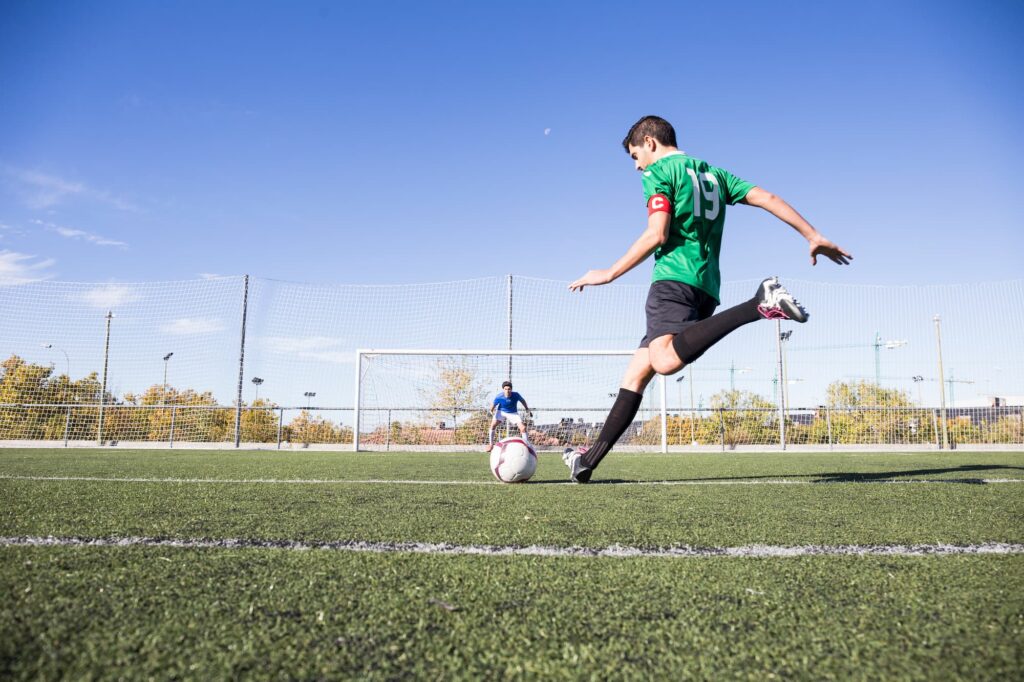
pixel 441 399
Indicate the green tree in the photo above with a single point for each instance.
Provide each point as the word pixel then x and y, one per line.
pixel 861 413
pixel 308 429
pixel 457 391
pixel 748 418
pixel 260 425
pixel 30 386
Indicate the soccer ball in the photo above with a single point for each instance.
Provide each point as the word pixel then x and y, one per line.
pixel 513 460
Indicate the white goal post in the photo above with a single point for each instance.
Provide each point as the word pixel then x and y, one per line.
pixel 440 398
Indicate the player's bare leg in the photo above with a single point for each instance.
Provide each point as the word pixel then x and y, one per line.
pixel 664 359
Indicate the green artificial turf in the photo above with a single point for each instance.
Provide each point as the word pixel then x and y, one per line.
pixel 163 612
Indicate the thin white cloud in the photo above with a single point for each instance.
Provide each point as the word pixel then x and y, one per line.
pixel 210 275
pixel 189 326
pixel 323 348
pixel 39 190
pixel 82 235
pixel 10 230
pixel 109 296
pixel 22 268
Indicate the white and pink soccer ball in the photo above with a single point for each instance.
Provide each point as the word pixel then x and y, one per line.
pixel 513 460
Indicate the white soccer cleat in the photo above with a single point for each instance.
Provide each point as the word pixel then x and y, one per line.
pixel 775 303
pixel 573 458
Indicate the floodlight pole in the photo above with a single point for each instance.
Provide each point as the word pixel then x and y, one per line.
pixel 785 371
pixel 103 387
pixel 67 401
pixel 942 383
pixel 167 359
pixel 241 363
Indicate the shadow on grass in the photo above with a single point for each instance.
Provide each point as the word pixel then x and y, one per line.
pixel 907 475
pixel 914 474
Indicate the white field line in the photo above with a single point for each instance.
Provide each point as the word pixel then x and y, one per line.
pixel 384 481
pixel 614 551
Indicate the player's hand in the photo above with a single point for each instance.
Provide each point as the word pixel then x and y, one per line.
pixel 592 278
pixel 823 247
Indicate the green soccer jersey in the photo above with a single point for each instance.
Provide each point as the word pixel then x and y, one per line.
pixel 699 193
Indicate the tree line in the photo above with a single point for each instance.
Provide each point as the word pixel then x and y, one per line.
pixel 147 416
pixel 850 415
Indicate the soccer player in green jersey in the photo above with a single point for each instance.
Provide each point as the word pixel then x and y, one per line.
pixel 686 201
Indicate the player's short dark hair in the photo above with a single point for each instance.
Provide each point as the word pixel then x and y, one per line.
pixel 506 383
pixel 655 126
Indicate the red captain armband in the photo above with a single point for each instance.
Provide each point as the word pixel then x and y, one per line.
pixel 658 203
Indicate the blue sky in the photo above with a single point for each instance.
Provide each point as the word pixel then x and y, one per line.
pixel 339 143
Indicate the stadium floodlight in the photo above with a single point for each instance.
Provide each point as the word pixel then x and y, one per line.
pixel 50 346
pixel 918 379
pixel 309 395
pixel 256 382
pixel 879 344
pixel 67 386
pixel 693 433
pixel 167 359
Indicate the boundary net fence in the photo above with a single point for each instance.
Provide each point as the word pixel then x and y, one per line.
pixel 234 361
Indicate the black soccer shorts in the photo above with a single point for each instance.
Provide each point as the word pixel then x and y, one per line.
pixel 674 306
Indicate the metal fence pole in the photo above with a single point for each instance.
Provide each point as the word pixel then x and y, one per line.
pixel 387 443
pixel 664 416
pixel 67 425
pixel 170 439
pixel 942 384
pixel 828 420
pixel 721 426
pixel 241 362
pixel 280 423
pixel 103 388
pixel 510 326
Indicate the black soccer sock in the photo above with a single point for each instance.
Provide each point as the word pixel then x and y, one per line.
pixel 619 418
pixel 692 342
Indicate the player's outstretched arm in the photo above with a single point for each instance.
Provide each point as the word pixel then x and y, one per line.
pixel 654 236
pixel 819 244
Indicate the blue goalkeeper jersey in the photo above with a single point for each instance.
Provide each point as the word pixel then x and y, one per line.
pixel 508 404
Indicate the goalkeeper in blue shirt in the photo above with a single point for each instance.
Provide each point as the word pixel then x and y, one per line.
pixel 505 408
